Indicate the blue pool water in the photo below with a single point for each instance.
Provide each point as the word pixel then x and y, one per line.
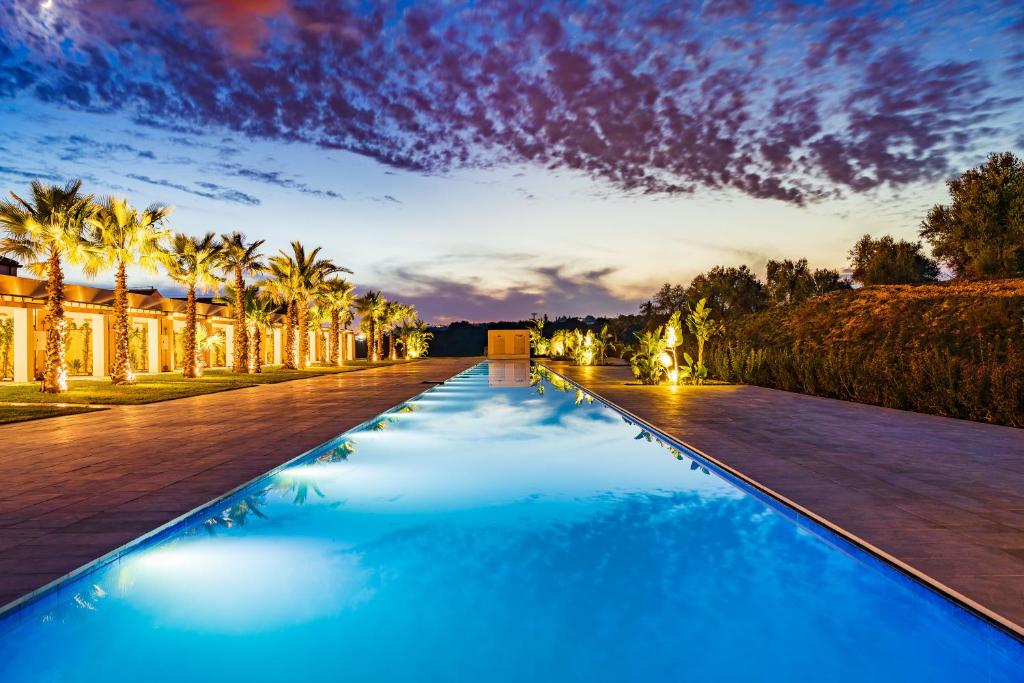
pixel 490 530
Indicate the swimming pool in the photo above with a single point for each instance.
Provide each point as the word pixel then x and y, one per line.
pixel 501 526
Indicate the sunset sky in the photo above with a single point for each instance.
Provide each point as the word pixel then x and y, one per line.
pixel 488 160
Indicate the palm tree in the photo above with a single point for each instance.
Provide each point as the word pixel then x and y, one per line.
pixel 42 233
pixel 193 262
pixel 405 316
pixel 298 276
pixel 122 237
pixel 414 338
pixel 284 288
pixel 338 296
pixel 240 259
pixel 393 315
pixel 258 307
pixel 259 310
pixel 319 313
pixel 369 306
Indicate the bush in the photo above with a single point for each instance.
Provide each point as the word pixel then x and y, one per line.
pixel 952 349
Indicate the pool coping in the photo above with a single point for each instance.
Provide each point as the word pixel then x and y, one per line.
pixel 25 602
pixel 985 614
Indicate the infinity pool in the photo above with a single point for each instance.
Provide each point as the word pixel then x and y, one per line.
pixel 502 526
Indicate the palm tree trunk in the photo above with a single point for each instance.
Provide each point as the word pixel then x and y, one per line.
pixel 378 345
pixel 393 350
pixel 335 337
pixel 190 366
pixel 289 336
pixel 371 340
pixel 303 336
pixel 121 372
pixel 256 357
pixel 55 376
pixel 240 350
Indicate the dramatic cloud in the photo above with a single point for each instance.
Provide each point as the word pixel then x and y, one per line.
pixel 557 290
pixel 771 98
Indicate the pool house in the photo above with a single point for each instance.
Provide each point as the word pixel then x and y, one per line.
pixel 156 342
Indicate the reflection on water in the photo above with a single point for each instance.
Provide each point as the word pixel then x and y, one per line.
pixel 502 526
pixel 508 373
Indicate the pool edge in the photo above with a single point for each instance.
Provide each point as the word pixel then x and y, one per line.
pixel 152 536
pixel 990 616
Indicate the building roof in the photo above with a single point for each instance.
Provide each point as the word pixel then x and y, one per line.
pixel 141 300
pixel 4 261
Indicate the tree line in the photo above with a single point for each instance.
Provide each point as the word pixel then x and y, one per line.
pixel 56 225
pixel 978 234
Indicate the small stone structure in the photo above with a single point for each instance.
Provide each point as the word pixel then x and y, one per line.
pixel 508 344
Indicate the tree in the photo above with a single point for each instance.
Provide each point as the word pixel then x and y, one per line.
pixel 390 317
pixel 122 237
pixel 414 338
pixel 669 298
pixel 311 272
pixel 369 306
pixel 296 277
pixel 43 232
pixel 703 328
pixel 396 315
pixel 788 282
pixel 828 280
pixel 240 259
pixel 258 306
pixel 259 310
pixel 538 341
pixel 338 296
pixel 283 286
pixel 730 291
pixel 980 233
pixel 887 262
pixel 193 262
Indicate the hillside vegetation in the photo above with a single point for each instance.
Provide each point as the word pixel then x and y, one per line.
pixel 954 349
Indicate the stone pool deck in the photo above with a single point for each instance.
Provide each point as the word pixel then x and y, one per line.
pixel 944 496
pixel 77 487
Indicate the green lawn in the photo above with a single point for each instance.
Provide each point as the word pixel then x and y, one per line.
pixel 23 413
pixel 163 386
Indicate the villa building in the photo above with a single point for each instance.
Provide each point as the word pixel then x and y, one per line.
pixel 157 326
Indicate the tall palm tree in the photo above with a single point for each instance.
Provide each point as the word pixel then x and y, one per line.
pixel 240 258
pixel 193 262
pixel 259 307
pixel 122 237
pixel 338 296
pixel 312 272
pixel 390 316
pixel 369 306
pixel 319 313
pixel 259 311
pixel 303 274
pixel 395 316
pixel 43 232
pixel 283 286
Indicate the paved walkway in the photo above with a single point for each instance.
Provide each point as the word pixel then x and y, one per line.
pixel 77 487
pixel 944 496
